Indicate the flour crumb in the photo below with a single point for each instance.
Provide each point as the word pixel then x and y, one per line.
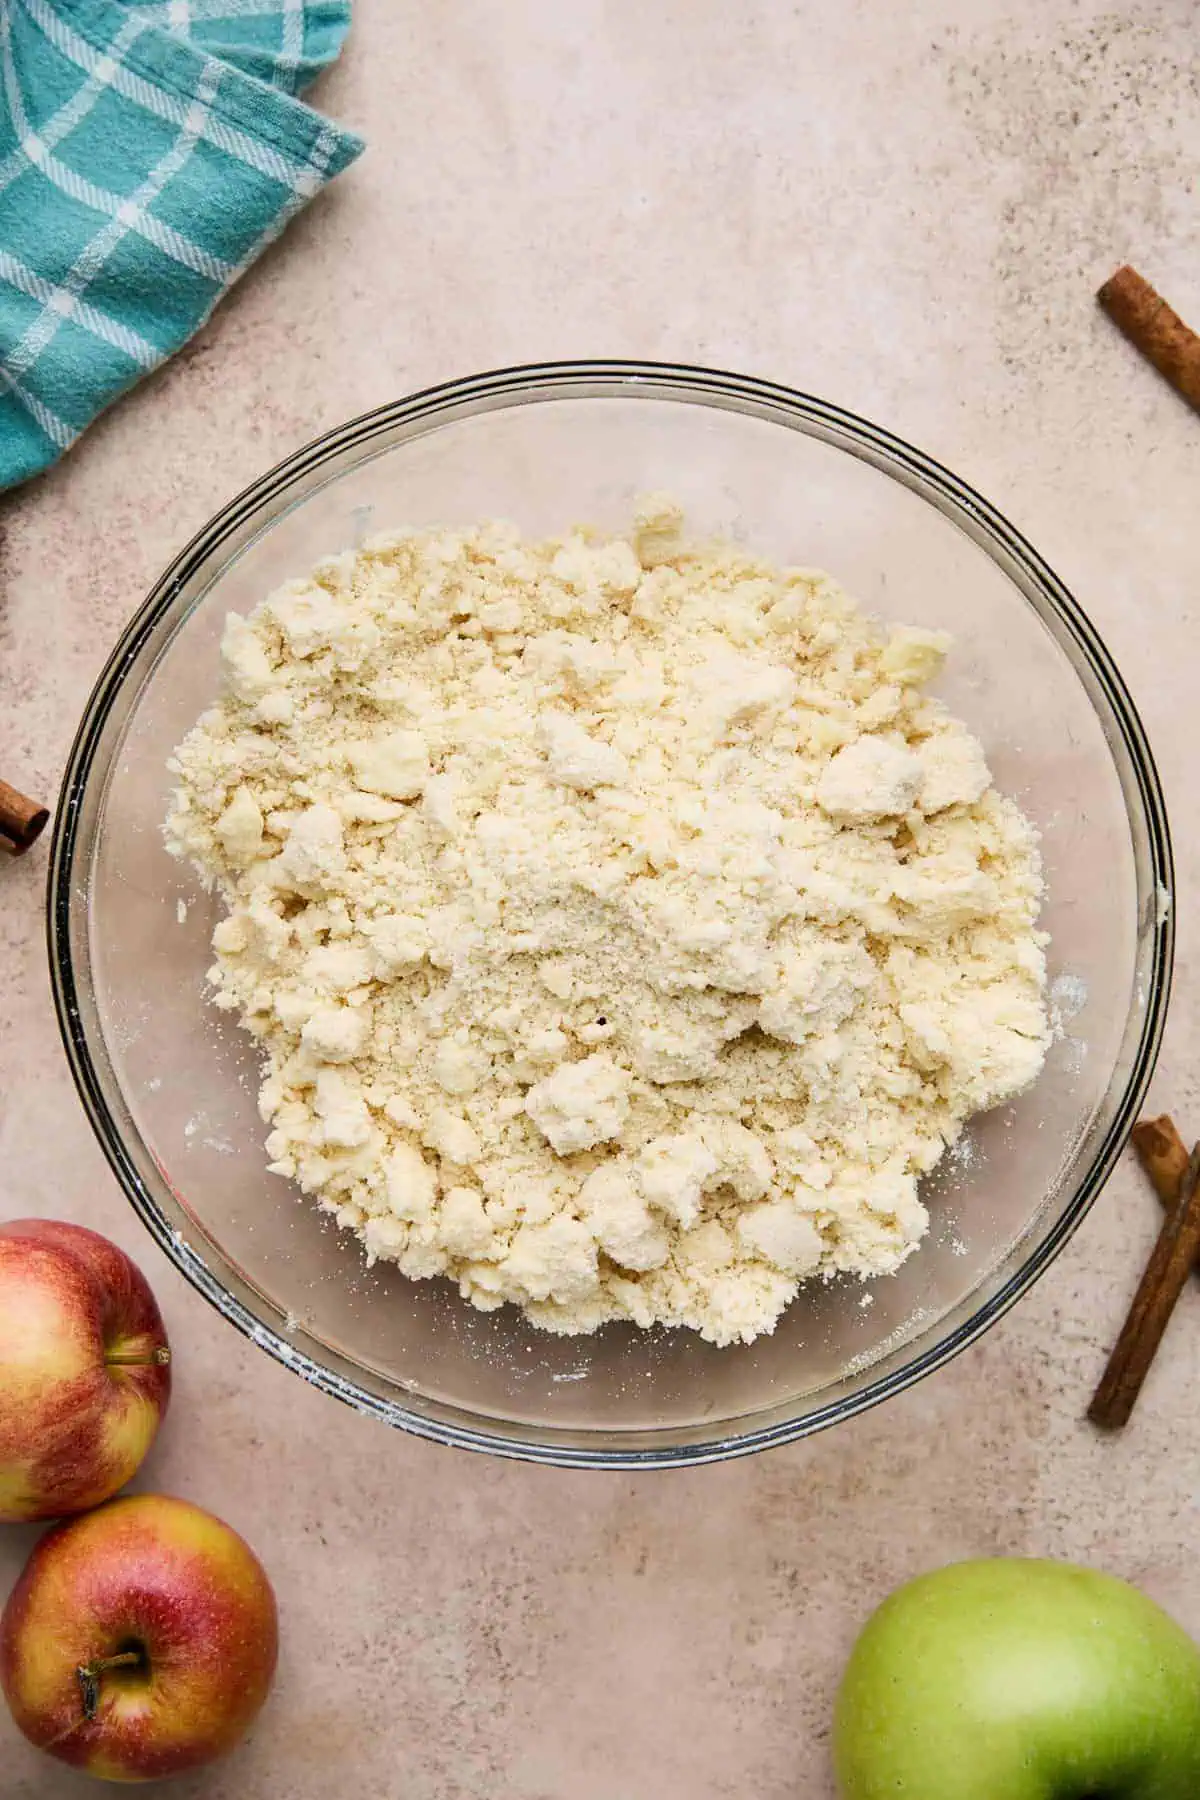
pixel 624 930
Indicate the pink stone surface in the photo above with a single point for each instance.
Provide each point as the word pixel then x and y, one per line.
pixel 907 211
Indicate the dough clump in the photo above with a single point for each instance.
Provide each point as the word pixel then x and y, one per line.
pixel 624 929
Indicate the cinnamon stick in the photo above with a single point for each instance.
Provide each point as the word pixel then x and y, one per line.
pixel 1153 328
pixel 1160 1287
pixel 1163 1155
pixel 22 820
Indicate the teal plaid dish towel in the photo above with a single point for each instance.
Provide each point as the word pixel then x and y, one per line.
pixel 148 154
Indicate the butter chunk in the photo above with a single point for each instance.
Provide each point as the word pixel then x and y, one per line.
pixel 954 771
pixel 871 778
pixel 913 655
pixel 240 828
pixel 620 1217
pixel 581 1104
pixel 396 766
pixel 580 761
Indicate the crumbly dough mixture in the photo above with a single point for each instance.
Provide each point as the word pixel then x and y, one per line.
pixel 624 929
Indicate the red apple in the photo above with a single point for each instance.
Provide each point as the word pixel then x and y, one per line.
pixel 140 1641
pixel 84 1369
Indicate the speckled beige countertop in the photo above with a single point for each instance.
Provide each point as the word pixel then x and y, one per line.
pixel 907 211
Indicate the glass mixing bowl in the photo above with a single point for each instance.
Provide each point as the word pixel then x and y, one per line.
pixel 169 1083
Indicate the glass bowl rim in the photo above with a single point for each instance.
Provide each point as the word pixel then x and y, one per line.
pixel 599 379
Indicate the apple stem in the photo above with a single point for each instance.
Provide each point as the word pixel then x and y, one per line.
pixel 161 1356
pixel 89 1674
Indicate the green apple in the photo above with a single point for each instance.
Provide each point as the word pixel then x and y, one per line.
pixel 1019 1680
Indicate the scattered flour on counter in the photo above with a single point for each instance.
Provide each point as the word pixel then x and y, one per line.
pixel 624 930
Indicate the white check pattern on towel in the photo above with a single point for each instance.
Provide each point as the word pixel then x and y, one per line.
pixel 129 207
